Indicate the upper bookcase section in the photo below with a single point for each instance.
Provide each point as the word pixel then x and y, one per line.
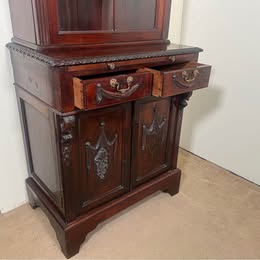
pixel 46 24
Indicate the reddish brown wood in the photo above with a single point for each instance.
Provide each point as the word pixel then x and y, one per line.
pixel 175 80
pixel 105 147
pixel 75 22
pixel 150 138
pixel 96 140
pixel 115 89
pixel 187 78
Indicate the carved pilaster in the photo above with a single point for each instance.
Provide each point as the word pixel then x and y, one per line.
pixel 180 102
pixel 184 98
pixel 67 125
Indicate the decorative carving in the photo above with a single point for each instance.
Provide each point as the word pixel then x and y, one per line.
pixel 184 99
pixel 102 148
pixel 55 62
pixel 67 125
pixel 154 130
pixel 101 161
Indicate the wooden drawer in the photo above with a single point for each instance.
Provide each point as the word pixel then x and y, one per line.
pixel 115 89
pixel 175 80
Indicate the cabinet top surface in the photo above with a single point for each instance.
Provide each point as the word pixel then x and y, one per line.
pixel 94 55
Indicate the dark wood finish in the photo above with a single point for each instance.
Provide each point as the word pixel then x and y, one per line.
pixel 63 22
pixel 72 235
pixel 81 15
pixel 101 92
pixel 169 81
pixel 101 95
pixel 105 146
pixel 151 139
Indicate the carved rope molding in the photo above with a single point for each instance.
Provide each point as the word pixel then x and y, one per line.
pixel 52 62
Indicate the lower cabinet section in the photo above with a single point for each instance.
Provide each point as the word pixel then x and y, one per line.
pixel 89 165
pixel 101 154
pixel 151 138
pixel 105 145
pixel 118 147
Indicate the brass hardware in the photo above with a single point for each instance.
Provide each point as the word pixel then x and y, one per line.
pixel 190 76
pixel 187 76
pixel 115 84
pixel 129 80
pixel 121 93
pixel 172 58
pixel 111 66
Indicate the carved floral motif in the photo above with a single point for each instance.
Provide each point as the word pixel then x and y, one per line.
pixel 67 125
pixel 102 152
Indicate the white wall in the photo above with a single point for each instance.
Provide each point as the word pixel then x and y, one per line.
pixel 12 159
pixel 222 123
pixel 176 21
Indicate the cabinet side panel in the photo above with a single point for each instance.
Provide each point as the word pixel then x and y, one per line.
pixel 39 133
pixel 23 20
pixel 37 79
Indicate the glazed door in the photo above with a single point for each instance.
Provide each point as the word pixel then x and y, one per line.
pixel 105 136
pixel 106 21
pixel 152 139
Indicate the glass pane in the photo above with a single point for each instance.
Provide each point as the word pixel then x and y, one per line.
pixel 85 15
pixel 135 14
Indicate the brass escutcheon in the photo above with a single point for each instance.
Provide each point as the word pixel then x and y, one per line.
pixel 111 66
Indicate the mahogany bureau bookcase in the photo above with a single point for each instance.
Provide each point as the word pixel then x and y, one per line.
pixel 101 93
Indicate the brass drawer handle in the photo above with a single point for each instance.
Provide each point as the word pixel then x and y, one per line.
pixel 188 77
pixel 120 92
pixel 115 84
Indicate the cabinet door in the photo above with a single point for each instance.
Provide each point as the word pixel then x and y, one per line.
pixel 107 21
pixel 151 153
pixel 105 154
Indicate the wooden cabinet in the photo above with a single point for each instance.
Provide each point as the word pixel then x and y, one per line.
pixel 101 93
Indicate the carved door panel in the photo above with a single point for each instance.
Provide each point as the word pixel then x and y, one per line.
pixel 105 155
pixel 151 151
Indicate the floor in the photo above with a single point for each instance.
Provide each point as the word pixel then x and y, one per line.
pixel 216 215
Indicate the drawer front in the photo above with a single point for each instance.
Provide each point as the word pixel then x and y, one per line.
pixel 191 77
pixel 174 80
pixel 107 91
